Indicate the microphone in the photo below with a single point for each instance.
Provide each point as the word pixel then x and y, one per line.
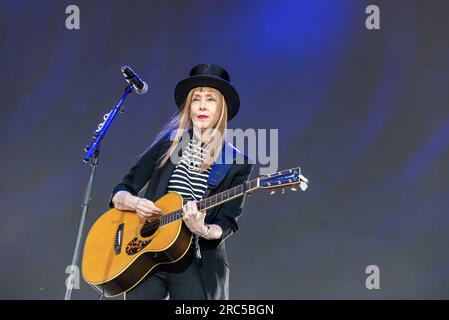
pixel 139 85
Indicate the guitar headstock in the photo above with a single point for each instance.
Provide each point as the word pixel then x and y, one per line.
pixel 286 178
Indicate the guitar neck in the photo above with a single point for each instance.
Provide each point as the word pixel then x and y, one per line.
pixel 215 200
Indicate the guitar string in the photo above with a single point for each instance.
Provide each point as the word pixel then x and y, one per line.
pixel 149 226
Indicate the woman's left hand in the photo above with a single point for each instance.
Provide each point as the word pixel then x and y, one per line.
pixel 193 218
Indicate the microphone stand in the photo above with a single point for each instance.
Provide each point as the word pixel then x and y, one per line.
pixel 91 157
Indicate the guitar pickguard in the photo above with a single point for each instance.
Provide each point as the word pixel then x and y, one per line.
pixel 136 245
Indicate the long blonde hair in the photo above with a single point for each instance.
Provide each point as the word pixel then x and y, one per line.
pixel 182 122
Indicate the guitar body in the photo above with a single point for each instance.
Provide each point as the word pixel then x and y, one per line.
pixel 118 254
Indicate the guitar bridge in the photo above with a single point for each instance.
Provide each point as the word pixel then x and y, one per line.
pixel 118 239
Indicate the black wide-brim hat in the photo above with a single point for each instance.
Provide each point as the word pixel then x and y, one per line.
pixel 209 75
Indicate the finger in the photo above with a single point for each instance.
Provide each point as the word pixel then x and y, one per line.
pixel 192 209
pixel 195 208
pixel 147 215
pixel 152 208
pixel 149 205
pixel 188 211
pixel 155 209
pixel 141 215
pixel 192 206
pixel 149 210
pixel 156 213
pixel 188 214
pixel 144 211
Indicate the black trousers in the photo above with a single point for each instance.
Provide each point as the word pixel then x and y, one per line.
pixel 178 281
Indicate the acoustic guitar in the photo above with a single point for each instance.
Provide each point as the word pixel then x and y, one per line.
pixel 121 248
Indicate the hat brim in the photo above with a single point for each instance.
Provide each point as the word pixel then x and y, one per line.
pixel 230 94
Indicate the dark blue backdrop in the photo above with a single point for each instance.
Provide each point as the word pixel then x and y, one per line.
pixel 364 113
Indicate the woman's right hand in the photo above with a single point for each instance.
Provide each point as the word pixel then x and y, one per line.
pixel 147 209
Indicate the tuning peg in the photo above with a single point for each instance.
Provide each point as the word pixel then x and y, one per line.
pixel 293 189
pixel 272 192
pixel 303 186
pixel 302 178
pixel 303 182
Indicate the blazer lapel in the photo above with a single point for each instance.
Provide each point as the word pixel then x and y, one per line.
pixel 220 168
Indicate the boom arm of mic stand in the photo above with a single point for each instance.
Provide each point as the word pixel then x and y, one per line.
pixel 91 156
pixel 105 126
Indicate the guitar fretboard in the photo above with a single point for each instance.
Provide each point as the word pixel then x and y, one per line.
pixel 213 201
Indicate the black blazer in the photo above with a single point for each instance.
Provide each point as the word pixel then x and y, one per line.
pixel 214 266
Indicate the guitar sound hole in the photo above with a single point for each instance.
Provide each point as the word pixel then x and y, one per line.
pixel 149 227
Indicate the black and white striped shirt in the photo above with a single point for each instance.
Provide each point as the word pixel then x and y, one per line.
pixel 186 178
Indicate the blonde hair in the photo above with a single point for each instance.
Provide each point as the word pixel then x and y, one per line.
pixel 182 122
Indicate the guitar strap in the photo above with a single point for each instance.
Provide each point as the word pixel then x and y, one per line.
pixel 221 166
pixel 217 173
